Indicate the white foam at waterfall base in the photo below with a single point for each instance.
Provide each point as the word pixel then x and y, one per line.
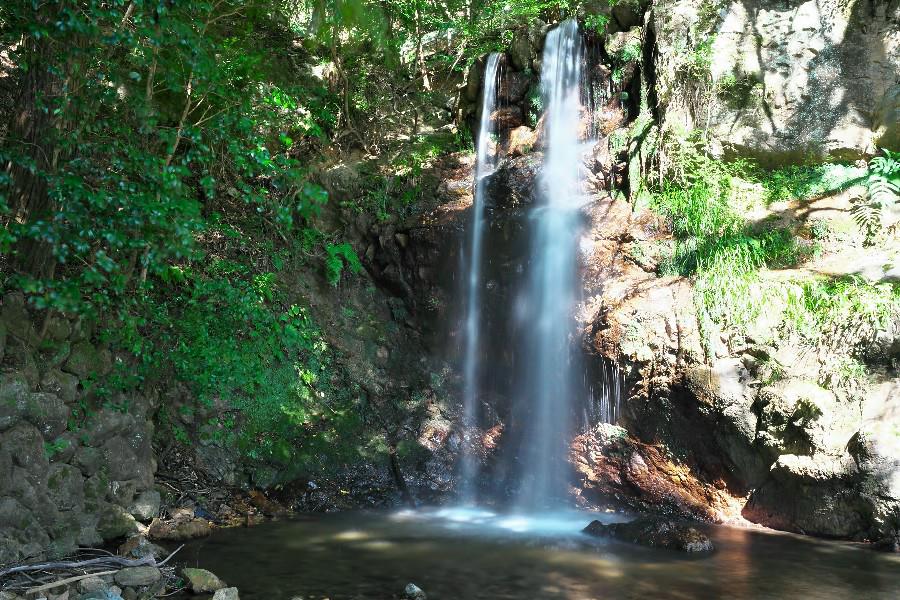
pixel 475 520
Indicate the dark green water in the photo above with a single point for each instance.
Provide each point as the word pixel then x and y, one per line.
pixel 469 555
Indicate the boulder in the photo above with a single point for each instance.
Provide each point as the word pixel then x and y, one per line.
pixel 473 80
pixel 226 594
pixel 115 522
pixel 521 141
pixel 14 397
pixel 122 492
pixel 655 532
pixel 91 584
pixel 19 359
pixel 521 51
pixel 512 185
pixel 614 467
pixel 146 506
pixel 66 487
pixel 53 354
pixel 88 460
pixel 201 581
pixel 64 385
pixel 16 319
pixel 26 447
pixel 508 117
pixel 816 495
pixel 163 531
pixel 86 359
pixel 725 397
pixel 138 546
pixel 107 424
pixel 137 576
pixel 48 413
pixel 513 87
pixel 13 514
pixel 57 328
pixel 630 13
pixel 111 593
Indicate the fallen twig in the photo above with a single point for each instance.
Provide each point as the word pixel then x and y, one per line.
pixel 106 561
pixel 174 552
pixel 53 584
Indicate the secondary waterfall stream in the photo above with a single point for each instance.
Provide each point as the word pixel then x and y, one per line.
pixel 486 161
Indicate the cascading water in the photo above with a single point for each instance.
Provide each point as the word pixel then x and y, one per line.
pixel 486 162
pixel 522 287
pixel 548 371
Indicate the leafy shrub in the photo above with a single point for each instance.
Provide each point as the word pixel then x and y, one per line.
pixel 737 90
pixel 882 182
pixel 340 256
pixel 803 182
pixel 265 366
pixel 630 52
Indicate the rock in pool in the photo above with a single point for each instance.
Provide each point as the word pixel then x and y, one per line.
pixel 201 581
pixel 655 532
pixel 414 592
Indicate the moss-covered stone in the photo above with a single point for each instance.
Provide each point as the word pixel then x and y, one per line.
pixel 115 523
pixel 201 581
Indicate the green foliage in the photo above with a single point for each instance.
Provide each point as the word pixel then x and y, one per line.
pixel 708 14
pixel 737 90
pixel 631 51
pixel 827 310
pixel 704 200
pixel 227 333
pixel 53 448
pixel 340 256
pixel 882 182
pixel 695 63
pixel 804 182
pixel 185 137
pixel 165 110
pixel 596 23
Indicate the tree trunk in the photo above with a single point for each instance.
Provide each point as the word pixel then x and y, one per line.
pixel 420 59
pixel 30 136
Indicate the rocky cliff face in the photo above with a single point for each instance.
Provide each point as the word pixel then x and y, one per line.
pixel 778 82
pixel 69 475
pixel 789 80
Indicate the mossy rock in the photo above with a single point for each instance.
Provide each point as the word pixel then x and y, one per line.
pixel 115 523
pixel 201 581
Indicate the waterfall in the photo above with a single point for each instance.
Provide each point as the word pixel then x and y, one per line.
pixel 486 162
pixel 551 290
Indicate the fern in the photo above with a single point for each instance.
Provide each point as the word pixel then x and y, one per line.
pixel 339 256
pixel 883 193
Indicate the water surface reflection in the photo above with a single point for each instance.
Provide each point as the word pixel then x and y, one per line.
pixel 477 554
